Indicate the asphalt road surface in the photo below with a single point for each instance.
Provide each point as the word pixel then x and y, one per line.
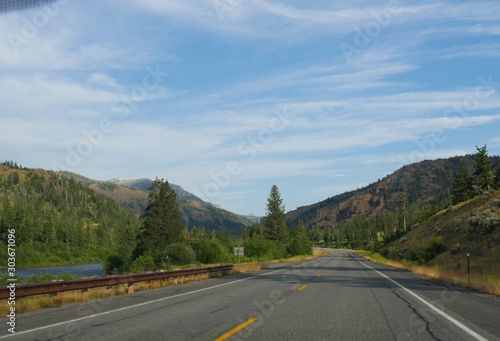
pixel 337 297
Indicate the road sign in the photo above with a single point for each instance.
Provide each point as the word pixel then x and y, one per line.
pixel 239 251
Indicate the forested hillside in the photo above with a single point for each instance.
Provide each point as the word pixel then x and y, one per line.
pixel 60 220
pixel 432 212
pixel 419 190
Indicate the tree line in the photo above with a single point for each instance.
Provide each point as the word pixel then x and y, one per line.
pixel 466 187
pixel 59 220
pixel 165 241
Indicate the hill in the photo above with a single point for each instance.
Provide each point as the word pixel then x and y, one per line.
pixel 144 184
pixel 65 218
pixel 133 198
pixel 58 220
pixel 195 212
pixel 444 240
pixel 423 184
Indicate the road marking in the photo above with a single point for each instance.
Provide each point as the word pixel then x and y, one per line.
pixel 149 302
pixel 318 275
pixel 302 287
pixel 235 330
pixel 440 312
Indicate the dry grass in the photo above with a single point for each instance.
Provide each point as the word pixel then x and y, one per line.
pixel 316 253
pixel 37 302
pixel 246 267
pixel 485 283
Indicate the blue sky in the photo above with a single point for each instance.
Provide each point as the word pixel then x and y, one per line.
pixel 228 97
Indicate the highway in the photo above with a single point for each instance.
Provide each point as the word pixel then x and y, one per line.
pixel 337 297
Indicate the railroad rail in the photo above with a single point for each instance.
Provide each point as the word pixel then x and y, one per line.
pixel 23 290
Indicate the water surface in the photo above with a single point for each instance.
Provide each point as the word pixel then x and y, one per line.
pixel 77 271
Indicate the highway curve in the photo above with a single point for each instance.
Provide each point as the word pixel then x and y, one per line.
pixel 337 297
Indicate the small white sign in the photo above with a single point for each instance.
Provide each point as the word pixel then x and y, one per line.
pixel 238 251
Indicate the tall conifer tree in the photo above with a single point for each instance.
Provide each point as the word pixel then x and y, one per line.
pixel 496 182
pixel 162 220
pixel 462 189
pixel 482 169
pixel 275 217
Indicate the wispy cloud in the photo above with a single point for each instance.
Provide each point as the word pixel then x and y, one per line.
pixel 230 74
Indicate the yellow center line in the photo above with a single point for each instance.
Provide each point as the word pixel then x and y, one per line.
pixel 303 287
pixel 235 330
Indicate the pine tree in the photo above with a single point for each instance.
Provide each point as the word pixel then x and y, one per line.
pixel 162 220
pixel 482 169
pixel 462 189
pixel 496 182
pixel 275 217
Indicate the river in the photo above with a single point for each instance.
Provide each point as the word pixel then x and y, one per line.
pixel 77 271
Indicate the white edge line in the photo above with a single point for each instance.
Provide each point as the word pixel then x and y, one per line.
pixel 148 302
pixel 440 312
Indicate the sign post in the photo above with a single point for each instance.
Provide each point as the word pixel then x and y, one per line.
pixel 468 269
pixel 239 251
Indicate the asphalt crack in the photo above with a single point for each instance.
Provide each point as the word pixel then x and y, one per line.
pixel 426 323
pixel 216 311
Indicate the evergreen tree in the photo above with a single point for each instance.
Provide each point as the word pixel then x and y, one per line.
pixel 257 229
pixel 482 169
pixel 13 178
pixel 299 243
pixel 162 221
pixel 462 189
pixel 275 217
pixel 496 182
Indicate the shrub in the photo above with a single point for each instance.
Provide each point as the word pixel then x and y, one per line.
pixel 210 251
pixel 180 253
pixel 425 250
pixel 259 247
pixel 299 242
pixel 114 264
pixel 486 221
pixel 299 246
pixel 143 263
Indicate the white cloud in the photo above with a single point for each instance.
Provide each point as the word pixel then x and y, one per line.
pixel 229 76
pixel 102 80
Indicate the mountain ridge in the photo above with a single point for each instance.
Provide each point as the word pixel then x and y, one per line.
pixel 423 183
pixel 133 193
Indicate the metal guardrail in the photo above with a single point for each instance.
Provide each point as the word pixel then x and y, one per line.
pixel 23 290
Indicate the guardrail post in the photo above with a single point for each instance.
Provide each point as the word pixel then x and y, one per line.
pixel 130 288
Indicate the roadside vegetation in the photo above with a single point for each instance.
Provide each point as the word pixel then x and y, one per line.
pixel 164 242
pixel 488 283
pixel 59 220
pixel 436 240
